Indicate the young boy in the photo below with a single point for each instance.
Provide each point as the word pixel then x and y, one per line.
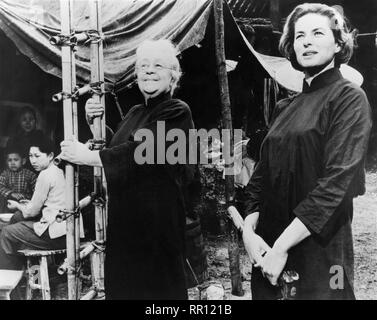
pixel 16 182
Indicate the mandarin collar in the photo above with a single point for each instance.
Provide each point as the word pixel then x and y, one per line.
pixel 322 80
pixel 152 102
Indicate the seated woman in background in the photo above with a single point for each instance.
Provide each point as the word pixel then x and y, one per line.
pixel 36 228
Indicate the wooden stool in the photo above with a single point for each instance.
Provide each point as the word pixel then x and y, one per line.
pixel 37 275
pixel 8 281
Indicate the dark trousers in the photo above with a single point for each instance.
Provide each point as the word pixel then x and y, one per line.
pixel 19 236
pixel 17 217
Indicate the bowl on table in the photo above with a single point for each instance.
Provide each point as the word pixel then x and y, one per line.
pixel 5 217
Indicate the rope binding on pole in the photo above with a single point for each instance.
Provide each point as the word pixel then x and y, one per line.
pixel 91 88
pixel 96 144
pixel 65 214
pixel 73 39
pixel 63 40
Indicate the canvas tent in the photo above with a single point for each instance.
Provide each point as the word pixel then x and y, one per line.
pixel 30 24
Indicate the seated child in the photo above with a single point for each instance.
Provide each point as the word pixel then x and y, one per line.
pixel 16 182
pixel 26 132
pixel 48 199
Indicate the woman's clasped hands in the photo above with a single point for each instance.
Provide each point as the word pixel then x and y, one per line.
pixel 271 261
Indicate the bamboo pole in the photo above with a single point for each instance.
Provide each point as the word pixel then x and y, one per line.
pixel 233 248
pixel 97 75
pixel 70 128
pixel 83 254
pixel 76 218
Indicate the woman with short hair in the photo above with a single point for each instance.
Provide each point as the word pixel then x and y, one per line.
pixel 300 199
pixel 34 226
pixel 146 219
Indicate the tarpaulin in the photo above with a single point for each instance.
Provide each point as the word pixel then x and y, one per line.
pixel 281 70
pixel 126 23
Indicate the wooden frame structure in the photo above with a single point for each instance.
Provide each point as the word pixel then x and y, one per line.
pixel 67 40
pixel 70 130
pixel 233 247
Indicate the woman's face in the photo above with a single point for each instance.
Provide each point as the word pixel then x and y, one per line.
pixel 153 73
pixel 314 42
pixel 27 122
pixel 39 160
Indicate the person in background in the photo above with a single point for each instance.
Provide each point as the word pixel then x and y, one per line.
pixel 37 229
pixel 26 133
pixel 16 182
pixel 300 198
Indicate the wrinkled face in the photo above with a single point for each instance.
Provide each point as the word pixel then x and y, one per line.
pixel 314 42
pixel 14 161
pixel 27 122
pixel 153 73
pixel 39 160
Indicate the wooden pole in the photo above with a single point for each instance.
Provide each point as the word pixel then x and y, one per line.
pixel 76 218
pixel 233 248
pixel 70 128
pixel 275 14
pixel 97 75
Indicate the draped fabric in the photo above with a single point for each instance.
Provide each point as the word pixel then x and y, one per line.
pixel 126 23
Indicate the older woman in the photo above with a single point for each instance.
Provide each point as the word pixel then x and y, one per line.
pixel 145 235
pixel 299 207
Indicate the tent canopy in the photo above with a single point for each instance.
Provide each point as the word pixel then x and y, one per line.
pixel 126 23
pixel 30 24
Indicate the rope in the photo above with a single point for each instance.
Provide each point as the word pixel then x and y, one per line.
pixel 367 34
pixel 98 247
pixel 93 36
pixel 65 214
pixel 41 30
pixel 117 104
pixel 94 144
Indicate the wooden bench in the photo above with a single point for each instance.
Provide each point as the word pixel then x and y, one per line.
pixel 8 281
pixel 37 275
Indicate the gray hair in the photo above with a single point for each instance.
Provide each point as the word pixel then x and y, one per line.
pixel 338 26
pixel 171 55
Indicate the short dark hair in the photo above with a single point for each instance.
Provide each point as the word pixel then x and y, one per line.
pixel 13 148
pixel 44 144
pixel 28 109
pixel 339 27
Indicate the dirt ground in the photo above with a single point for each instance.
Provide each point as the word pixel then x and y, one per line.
pixel 365 242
